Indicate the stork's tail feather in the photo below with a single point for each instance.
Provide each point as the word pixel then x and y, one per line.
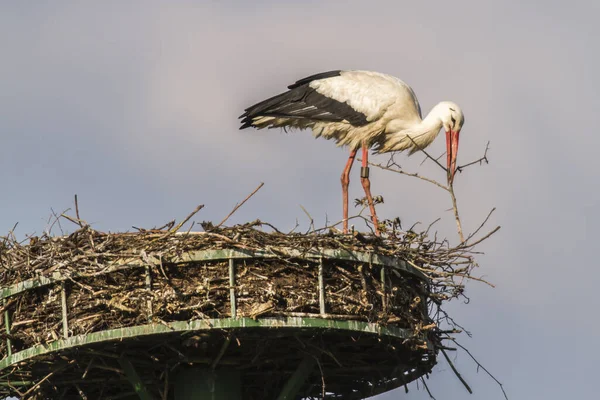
pixel 272 107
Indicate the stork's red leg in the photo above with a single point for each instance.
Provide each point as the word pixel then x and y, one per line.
pixel 364 179
pixel 345 182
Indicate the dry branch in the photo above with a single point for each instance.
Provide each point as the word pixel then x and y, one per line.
pixel 239 205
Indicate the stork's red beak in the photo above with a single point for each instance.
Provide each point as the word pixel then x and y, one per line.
pixel 451 152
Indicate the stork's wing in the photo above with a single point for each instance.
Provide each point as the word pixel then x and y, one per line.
pixel 304 102
pixel 371 93
pixel 354 97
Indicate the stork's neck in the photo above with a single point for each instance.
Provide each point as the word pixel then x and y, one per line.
pixel 431 125
pixel 421 132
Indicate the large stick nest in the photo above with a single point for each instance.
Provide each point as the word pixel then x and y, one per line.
pixel 103 293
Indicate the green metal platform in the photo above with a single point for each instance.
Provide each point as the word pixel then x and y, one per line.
pixel 217 358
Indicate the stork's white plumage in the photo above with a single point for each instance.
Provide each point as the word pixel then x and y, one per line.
pixel 360 109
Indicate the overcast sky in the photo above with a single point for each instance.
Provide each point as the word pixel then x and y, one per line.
pixel 134 108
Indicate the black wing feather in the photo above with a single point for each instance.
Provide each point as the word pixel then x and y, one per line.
pixel 315 77
pixel 304 102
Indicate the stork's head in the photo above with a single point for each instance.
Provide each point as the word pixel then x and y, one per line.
pixel 452 119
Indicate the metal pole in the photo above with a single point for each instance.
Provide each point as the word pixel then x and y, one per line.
pixel 149 289
pixel 232 300
pixel 321 288
pixel 296 381
pixel 383 293
pixel 7 328
pixel 224 347
pixel 194 383
pixel 134 378
pixel 63 303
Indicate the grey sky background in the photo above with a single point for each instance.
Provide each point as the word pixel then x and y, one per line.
pixel 134 107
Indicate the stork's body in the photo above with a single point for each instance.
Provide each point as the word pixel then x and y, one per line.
pixel 359 109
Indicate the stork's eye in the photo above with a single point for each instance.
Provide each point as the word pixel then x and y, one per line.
pixel 453 120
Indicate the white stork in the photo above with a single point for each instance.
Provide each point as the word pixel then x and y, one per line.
pixel 360 109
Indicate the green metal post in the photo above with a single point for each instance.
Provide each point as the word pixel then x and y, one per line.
pixel 322 309
pixel 294 384
pixel 7 328
pixel 232 300
pixel 204 384
pixel 135 379
pixel 149 290
pixel 63 304
pixel 221 352
pixel 383 285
